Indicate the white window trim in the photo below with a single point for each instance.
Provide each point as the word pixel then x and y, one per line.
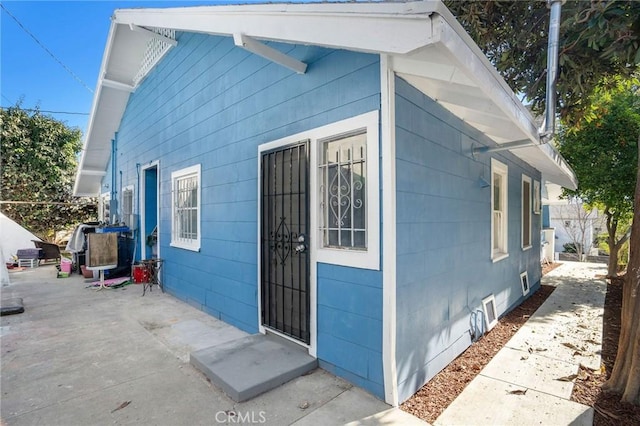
pixel 369 258
pixel 536 197
pixel 524 277
pixel 525 178
pixel 195 244
pixel 503 169
pixel 145 251
pixel 486 302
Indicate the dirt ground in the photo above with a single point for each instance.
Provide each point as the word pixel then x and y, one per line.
pixel 435 396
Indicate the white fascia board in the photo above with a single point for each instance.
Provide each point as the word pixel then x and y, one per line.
pixel 368 27
pixel 565 175
pixel 549 162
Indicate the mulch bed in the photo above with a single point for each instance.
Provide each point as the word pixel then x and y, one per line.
pixel 435 396
pixel 609 411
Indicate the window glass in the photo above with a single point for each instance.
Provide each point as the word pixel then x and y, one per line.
pixel 185 231
pixel 343 216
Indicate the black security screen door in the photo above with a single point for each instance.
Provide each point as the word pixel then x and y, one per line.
pixel 284 240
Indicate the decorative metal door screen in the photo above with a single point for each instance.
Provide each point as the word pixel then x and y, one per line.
pixel 284 240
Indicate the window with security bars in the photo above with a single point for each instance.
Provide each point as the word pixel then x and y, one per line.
pixel 499 199
pixel 343 192
pixel 185 194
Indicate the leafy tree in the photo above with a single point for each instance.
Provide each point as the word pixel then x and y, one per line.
pixel 602 150
pixel 597 38
pixel 625 377
pixel 38 162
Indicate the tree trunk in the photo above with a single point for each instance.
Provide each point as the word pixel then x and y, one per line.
pixel 612 267
pixel 612 227
pixel 625 378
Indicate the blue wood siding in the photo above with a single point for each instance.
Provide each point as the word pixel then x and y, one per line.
pixel 350 325
pixel 211 103
pixel 444 268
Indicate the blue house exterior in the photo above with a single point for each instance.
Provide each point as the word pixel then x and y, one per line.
pixel 230 146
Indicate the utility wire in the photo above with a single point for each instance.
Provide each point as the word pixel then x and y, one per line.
pixel 45 49
pixel 50 112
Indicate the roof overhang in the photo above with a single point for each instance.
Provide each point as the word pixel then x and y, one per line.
pixel 428 48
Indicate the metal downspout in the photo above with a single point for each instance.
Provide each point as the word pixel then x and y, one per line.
pixel 552 68
pixel 113 202
pixel 548 129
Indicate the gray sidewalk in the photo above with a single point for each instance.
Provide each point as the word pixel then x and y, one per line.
pixel 564 332
pixel 77 356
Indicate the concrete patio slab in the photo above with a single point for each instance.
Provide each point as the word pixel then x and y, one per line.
pixel 76 355
pixel 487 401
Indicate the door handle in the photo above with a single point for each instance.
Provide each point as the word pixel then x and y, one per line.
pixel 300 248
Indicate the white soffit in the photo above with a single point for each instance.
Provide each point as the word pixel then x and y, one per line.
pixel 131 52
pixel 430 50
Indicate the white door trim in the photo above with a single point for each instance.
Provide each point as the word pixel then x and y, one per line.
pixel 141 197
pixel 311 347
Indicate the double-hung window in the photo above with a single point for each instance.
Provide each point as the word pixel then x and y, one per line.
pixel 186 206
pixel 526 212
pixel 499 210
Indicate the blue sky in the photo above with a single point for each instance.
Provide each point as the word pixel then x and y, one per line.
pixel 76 33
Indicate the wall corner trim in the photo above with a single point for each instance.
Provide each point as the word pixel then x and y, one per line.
pixel 388 167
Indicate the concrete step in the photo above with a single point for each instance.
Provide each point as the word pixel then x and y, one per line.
pixel 246 367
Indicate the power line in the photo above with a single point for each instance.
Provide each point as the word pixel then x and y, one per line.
pixel 48 203
pixel 51 112
pixel 45 49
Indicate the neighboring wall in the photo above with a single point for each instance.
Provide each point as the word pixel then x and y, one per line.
pixel 574 224
pixel 211 103
pixel 444 266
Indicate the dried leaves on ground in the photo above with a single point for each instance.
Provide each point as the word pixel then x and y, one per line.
pixel 609 411
pixel 434 397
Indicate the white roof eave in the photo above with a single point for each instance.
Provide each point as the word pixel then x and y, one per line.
pixel 425 40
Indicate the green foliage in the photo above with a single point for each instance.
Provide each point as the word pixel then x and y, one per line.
pixel 570 247
pixel 597 39
pixel 38 159
pixel 603 147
